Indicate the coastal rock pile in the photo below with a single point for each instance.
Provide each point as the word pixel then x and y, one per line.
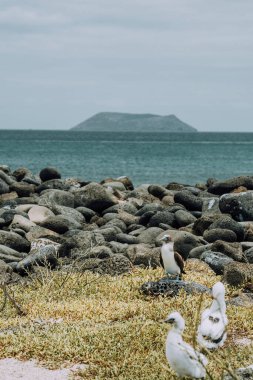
pixel 110 226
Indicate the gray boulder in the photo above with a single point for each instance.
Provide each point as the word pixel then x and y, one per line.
pixel 53 184
pixel 196 253
pixel 109 233
pixel 117 247
pixel 85 240
pixel 114 185
pixel 116 223
pixel 86 212
pixel 184 218
pixel 49 173
pixel 6 178
pixel 23 189
pixel 20 221
pixel 145 218
pixel 144 255
pixel 223 187
pixel 115 265
pixel 219 234
pixel 238 205
pixel 44 256
pixel 164 217
pixel 203 223
pixel 248 254
pixel 189 200
pixel 14 241
pixel 210 205
pixel 238 273
pixel 126 239
pixel 100 252
pixel 149 207
pixel 226 222
pixel 158 191
pixel 61 224
pixel 94 196
pixel 4 188
pixel 50 198
pixel 216 260
pixel 171 288
pixel 149 235
pixel 38 232
pixel 184 242
pixel 233 250
pixel 69 212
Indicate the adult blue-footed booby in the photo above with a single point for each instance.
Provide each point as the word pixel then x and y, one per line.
pixel 171 261
pixel 212 329
pixel 182 357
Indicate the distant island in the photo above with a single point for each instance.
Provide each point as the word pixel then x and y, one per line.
pixel 127 122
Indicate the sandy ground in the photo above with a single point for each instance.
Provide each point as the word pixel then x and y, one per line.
pixel 13 369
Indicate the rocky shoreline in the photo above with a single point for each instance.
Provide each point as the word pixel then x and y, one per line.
pixel 111 226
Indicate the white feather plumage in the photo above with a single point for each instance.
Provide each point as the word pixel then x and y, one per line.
pixel 212 329
pixel 181 356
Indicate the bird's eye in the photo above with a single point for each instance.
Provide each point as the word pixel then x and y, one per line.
pixel 216 320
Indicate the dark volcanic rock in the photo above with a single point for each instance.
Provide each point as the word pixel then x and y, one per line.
pixel 184 218
pixel 144 219
pixel 195 253
pixel 86 212
pixel 4 188
pixel 53 184
pixel 248 254
pixel 238 205
pixel 171 288
pixel 185 242
pixel 164 217
pixel 14 241
pixel 60 224
pixel 149 235
pixel 43 256
pixel 145 255
pixel 223 187
pixel 158 191
pixel 100 252
pixel 219 234
pixel 189 200
pixel 126 239
pixel 203 223
pixel 237 273
pixel 94 196
pixel 50 198
pixel 47 174
pixel 115 265
pixel 149 207
pixel 226 222
pixel 216 260
pixel 23 189
pixel 233 250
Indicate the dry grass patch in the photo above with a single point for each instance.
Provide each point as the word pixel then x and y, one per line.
pixel 105 322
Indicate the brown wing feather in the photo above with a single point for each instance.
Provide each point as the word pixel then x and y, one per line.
pixel 161 260
pixel 179 261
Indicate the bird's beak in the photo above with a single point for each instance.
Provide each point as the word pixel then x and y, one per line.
pixel 169 320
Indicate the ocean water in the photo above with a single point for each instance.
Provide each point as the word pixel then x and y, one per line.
pixel 144 157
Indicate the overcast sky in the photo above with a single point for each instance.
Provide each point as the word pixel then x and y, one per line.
pixel 62 61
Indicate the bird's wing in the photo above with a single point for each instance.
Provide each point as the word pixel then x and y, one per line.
pixel 161 260
pixel 192 354
pixel 179 260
